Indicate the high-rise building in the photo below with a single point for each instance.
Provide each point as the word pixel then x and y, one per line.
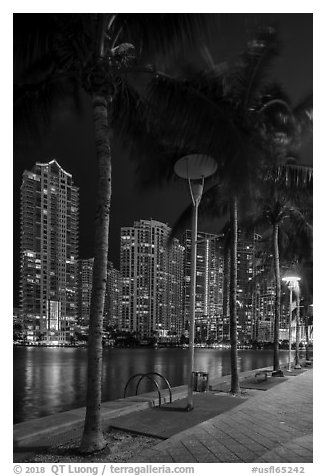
pixel 112 302
pixel 49 249
pixel 263 308
pixel 112 306
pixel 246 255
pixel 175 262
pixel 151 273
pixel 209 281
pixel 85 284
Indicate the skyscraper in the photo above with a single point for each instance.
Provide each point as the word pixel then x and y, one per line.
pixel 209 281
pixel 112 305
pixel 151 289
pixel 264 309
pixel 175 318
pixel 49 249
pixel 85 284
pixel 246 259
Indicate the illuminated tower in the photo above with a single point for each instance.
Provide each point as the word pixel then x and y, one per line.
pixel 209 281
pixel 151 280
pixel 85 284
pixel 49 248
pixel 246 258
pixel 112 305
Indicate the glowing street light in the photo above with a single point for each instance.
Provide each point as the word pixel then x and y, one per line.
pixel 194 168
pixel 292 282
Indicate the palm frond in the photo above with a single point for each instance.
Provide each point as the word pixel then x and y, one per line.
pixel 129 109
pixel 35 104
pixel 33 35
pixel 163 32
pixel 299 246
pixel 303 114
pixel 295 176
pixel 137 133
pixel 254 223
pixel 249 74
pixel 274 115
pixel 198 122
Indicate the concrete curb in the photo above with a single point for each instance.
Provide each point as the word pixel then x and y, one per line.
pixel 30 432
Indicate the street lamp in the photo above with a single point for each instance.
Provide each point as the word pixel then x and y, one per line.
pixel 292 282
pixel 194 168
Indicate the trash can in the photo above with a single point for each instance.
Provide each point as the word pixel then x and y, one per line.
pixel 200 381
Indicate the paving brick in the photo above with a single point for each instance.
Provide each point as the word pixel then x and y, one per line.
pixel 217 445
pixel 270 428
pixel 200 451
pixel 305 442
pixel 285 454
pixel 242 452
pixel 247 442
pixel 262 435
pixel 180 454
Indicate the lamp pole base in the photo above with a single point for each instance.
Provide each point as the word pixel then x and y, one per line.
pixel 278 373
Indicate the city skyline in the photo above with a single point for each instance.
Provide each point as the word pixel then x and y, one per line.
pixel 148 294
pixel 70 141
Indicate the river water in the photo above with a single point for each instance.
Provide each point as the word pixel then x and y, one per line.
pixel 52 380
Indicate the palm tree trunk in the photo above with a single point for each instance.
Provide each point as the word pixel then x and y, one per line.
pixel 235 387
pixel 297 334
pixel 306 328
pixel 93 439
pixel 276 363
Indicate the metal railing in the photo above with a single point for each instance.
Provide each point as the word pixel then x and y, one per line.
pixel 149 375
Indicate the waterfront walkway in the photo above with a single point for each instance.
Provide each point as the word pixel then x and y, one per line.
pixel 274 424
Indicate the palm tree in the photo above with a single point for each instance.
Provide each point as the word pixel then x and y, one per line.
pixel 307 322
pixel 93 53
pixel 286 180
pixel 298 257
pixel 279 208
pixel 223 112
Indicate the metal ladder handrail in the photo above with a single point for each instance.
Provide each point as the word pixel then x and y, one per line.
pixel 149 375
pixel 160 375
pixel 152 379
pixel 130 379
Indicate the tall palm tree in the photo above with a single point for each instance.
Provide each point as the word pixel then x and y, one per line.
pixel 93 53
pixel 222 112
pixel 280 207
pixel 308 321
pixel 286 180
pixel 298 257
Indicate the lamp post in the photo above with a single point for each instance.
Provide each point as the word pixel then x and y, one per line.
pixel 194 168
pixel 292 282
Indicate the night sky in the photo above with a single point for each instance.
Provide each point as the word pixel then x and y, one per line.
pixel 70 139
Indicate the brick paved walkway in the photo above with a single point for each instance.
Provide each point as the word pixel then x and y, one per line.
pixel 271 427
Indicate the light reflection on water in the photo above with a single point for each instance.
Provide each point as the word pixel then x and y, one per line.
pixel 51 380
